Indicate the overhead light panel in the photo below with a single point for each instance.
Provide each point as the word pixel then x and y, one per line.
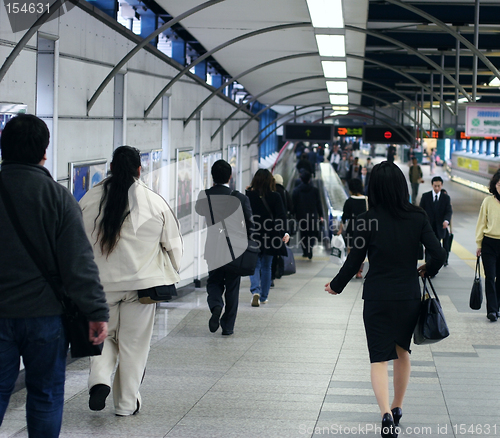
pixel 331 45
pixel 334 69
pixel 326 13
pixel 495 82
pixel 336 87
pixel 339 99
pixel 340 108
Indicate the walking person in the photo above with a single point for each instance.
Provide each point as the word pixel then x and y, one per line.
pixel 137 245
pixel 309 214
pixel 437 205
pixel 31 326
pixel 391 232
pixel 415 175
pixel 270 232
pixel 223 285
pixel 488 246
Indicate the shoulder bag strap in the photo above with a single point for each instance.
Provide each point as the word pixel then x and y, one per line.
pixel 14 218
pixel 426 289
pixel 223 226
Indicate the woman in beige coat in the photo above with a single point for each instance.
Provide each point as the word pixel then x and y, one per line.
pixel 137 245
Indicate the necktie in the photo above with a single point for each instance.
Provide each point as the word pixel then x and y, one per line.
pixel 436 198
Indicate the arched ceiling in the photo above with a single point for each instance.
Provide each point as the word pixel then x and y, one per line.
pixel 378 34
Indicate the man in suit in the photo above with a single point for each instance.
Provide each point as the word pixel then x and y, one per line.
pixel 225 204
pixel 437 205
pixel 365 180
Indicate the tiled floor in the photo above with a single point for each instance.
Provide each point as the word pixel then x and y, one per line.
pixel 298 366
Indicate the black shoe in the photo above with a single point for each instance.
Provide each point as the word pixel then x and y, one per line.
pixel 498 314
pixel 388 427
pixel 98 394
pixel 397 413
pixel 227 333
pixel 310 255
pixel 214 321
pixel 492 316
pixel 272 283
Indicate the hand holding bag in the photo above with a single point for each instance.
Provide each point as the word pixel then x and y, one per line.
pixel 476 294
pixel 289 263
pixel 431 325
pixel 75 323
pixel 337 253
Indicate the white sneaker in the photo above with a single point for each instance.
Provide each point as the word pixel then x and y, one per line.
pixel 255 300
pixel 264 302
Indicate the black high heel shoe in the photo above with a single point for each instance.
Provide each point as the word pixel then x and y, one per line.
pixel 388 427
pixel 397 413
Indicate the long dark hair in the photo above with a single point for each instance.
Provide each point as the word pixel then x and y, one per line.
pixel 263 182
pixel 493 184
pixel 388 189
pixel 114 201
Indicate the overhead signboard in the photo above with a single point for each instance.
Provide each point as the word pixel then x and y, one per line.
pixel 434 134
pixel 482 121
pixel 461 135
pixel 385 135
pixel 308 132
pixel 450 131
pixel 348 131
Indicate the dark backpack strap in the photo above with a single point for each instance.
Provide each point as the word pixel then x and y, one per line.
pixel 14 219
pixel 267 206
pixel 223 226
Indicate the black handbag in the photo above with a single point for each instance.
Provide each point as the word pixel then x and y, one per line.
pixel 156 294
pixel 476 294
pixel 431 325
pixel 75 323
pixel 288 263
pixel 448 241
pixel 245 263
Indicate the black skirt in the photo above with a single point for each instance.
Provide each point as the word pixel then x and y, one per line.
pixel 388 323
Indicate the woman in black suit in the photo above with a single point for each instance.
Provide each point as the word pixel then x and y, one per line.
pixel 390 232
pixel 269 217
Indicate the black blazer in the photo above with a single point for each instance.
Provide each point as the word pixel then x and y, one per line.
pixel 224 204
pixel 269 231
pixel 392 245
pixel 437 215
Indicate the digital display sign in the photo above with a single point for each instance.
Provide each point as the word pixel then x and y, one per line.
pixel 348 131
pixel 386 134
pixel 308 132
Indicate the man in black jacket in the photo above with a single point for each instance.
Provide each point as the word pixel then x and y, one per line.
pixel 30 314
pixel 234 209
pixel 437 205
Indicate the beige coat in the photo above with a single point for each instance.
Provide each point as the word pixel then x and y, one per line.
pixel 150 247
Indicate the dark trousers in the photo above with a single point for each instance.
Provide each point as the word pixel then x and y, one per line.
pixel 490 253
pixel 222 282
pixel 42 344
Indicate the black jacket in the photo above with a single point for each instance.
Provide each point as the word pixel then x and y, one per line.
pixel 392 245
pixel 225 204
pixel 307 202
pixel 437 213
pixel 52 220
pixel 269 231
pixel 286 198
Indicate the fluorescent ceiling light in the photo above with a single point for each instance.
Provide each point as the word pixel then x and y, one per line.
pixel 340 108
pixel 465 100
pixel 326 13
pixel 495 82
pixel 335 87
pixel 339 99
pixel 339 113
pixel 331 45
pixel 334 69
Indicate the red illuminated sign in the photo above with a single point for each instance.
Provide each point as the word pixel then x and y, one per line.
pixel 387 134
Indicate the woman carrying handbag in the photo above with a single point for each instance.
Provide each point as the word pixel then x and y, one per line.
pixel 390 233
pixel 488 246
pixel 270 219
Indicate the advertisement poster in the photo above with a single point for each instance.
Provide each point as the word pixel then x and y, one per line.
pixel 9 110
pixel 482 121
pixel 85 175
pixel 232 158
pixel 207 163
pixel 184 198
pixel 156 156
pixel 146 168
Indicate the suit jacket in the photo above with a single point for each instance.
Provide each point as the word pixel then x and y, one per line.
pixel 439 213
pixel 225 207
pixel 392 245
